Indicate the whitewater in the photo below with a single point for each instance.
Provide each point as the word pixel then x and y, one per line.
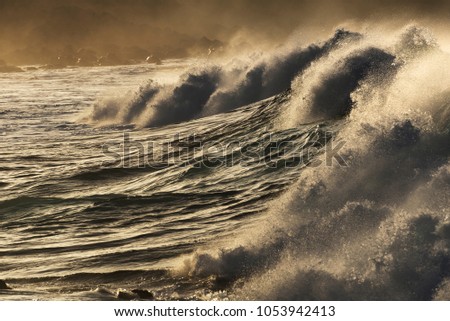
pixel 310 172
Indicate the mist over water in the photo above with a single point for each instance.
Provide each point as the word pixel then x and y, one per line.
pixel 113 32
pixel 284 223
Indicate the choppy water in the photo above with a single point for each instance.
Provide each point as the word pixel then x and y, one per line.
pixel 222 183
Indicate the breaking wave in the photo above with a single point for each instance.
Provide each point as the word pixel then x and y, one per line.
pixel 376 226
pixel 214 89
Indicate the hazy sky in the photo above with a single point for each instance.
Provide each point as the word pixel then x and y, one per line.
pixel 37 25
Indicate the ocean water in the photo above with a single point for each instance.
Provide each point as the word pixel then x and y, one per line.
pixel 314 172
